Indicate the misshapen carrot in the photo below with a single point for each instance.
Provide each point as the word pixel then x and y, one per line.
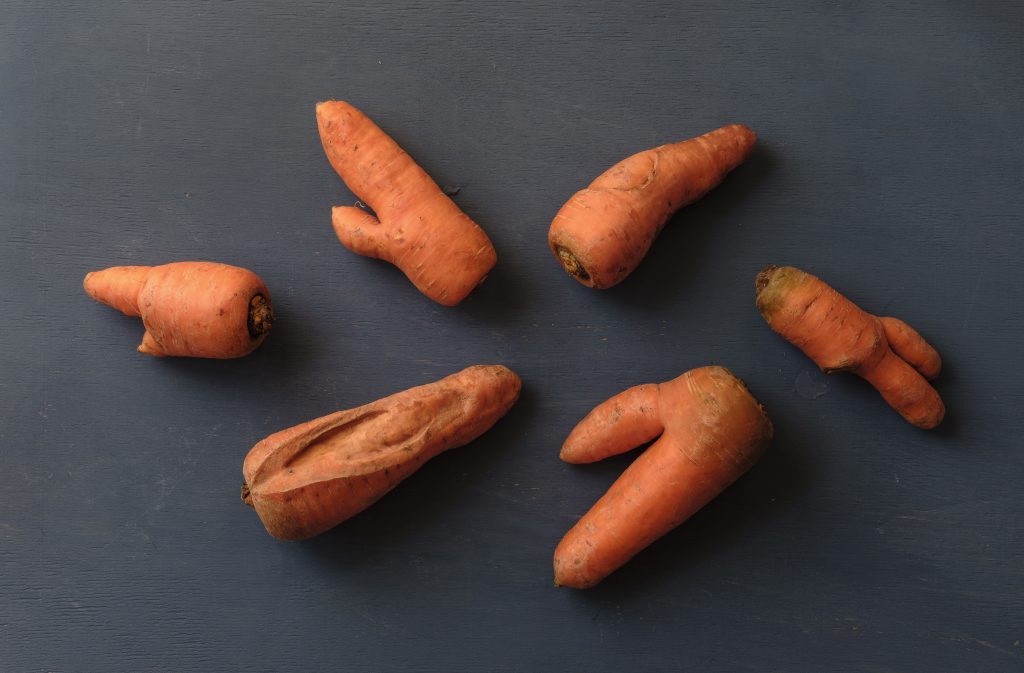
pixel 601 234
pixel 839 336
pixel 196 309
pixel 711 431
pixel 309 478
pixel 417 227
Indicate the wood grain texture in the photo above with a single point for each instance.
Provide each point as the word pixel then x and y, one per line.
pixel 891 145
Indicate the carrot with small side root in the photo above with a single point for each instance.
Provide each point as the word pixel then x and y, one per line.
pixel 414 225
pixel 711 429
pixel 840 336
pixel 196 309
pixel 601 234
pixel 309 478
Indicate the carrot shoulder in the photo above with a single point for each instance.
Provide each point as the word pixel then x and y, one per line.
pixel 839 336
pixel 415 226
pixel 600 235
pixel 713 432
pixel 309 478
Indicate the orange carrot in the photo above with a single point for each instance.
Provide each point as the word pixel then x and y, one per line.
pixel 309 478
pixel 601 234
pixel 198 309
pixel 417 227
pixel 839 336
pixel 711 431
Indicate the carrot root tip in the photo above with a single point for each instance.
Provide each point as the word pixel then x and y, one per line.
pixel 261 316
pixel 149 346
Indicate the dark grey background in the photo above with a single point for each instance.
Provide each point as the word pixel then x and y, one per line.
pixel 889 163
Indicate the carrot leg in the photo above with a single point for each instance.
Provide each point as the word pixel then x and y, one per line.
pixel 906 391
pixel 118 287
pixel 361 232
pixel 912 347
pixel 642 505
pixel 615 426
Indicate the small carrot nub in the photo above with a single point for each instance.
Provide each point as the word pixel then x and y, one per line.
pixel 261 316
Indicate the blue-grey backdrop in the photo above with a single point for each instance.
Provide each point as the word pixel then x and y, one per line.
pixel 889 162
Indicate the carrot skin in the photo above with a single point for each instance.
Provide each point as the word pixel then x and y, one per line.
pixel 603 232
pixel 417 227
pixel 714 431
pixel 840 336
pixel 309 478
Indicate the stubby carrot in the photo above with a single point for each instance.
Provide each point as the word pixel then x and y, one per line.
pixel 415 226
pixel 601 234
pixel 196 309
pixel 839 336
pixel 711 431
pixel 309 478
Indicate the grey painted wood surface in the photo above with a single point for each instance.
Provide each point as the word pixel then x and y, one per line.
pixel 890 163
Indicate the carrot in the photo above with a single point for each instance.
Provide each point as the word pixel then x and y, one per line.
pixel 711 431
pixel 198 309
pixel 839 336
pixel 417 227
pixel 309 478
pixel 601 234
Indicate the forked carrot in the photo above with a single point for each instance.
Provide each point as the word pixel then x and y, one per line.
pixel 414 225
pixel 711 431
pixel 839 336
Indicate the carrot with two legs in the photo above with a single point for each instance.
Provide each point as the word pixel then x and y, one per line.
pixel 709 430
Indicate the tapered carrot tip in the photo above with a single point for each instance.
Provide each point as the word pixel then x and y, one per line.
pixel 711 429
pixel 149 346
pixel 196 309
pixel 603 232
pixel 117 287
pixel 839 336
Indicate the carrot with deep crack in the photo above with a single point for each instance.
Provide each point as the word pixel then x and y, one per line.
pixel 309 478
